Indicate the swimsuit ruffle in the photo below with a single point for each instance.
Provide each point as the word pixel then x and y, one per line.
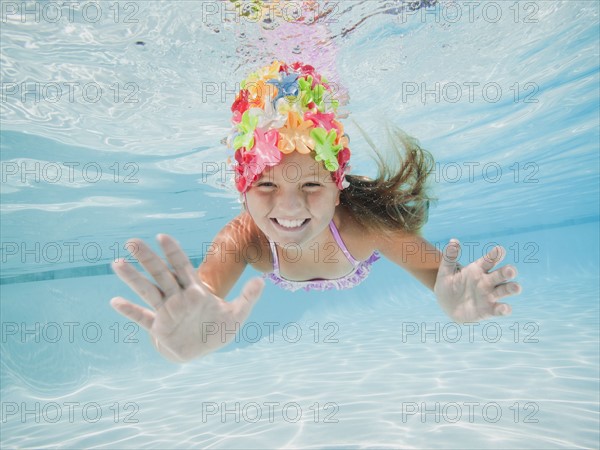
pixel 347 282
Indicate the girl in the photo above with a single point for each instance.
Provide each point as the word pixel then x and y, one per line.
pixel 306 223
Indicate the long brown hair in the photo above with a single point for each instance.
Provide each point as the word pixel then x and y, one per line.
pixel 397 199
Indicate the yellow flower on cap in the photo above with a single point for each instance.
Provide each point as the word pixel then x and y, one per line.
pixel 295 135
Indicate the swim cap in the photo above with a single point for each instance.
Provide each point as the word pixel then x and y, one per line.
pixel 284 108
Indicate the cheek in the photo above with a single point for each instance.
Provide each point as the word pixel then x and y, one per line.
pixel 324 202
pixel 259 206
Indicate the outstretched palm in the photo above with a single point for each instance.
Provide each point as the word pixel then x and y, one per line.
pixel 187 320
pixel 471 293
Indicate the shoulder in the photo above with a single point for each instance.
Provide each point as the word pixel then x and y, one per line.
pixel 226 258
pixel 250 241
pixel 242 230
pixel 361 241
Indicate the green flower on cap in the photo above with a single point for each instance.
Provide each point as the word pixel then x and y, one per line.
pixel 325 148
pixel 246 128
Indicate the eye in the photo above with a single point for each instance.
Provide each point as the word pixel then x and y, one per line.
pixel 265 184
pixel 312 185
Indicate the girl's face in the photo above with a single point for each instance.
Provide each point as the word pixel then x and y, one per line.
pixel 294 201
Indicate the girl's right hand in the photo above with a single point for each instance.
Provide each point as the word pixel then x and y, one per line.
pixel 187 320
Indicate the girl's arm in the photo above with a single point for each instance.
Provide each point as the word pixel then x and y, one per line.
pixel 413 253
pixel 466 294
pixel 224 260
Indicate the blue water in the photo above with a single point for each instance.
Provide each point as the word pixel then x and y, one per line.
pixel 379 366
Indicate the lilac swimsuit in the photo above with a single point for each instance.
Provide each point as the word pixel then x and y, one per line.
pixel 354 278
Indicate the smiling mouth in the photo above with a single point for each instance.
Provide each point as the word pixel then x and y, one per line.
pixel 291 225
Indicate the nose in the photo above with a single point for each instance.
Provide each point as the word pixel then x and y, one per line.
pixel 289 202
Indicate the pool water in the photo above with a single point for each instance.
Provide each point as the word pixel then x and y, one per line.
pixel 506 99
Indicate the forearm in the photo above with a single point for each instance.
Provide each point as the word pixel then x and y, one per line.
pixel 415 255
pixel 426 277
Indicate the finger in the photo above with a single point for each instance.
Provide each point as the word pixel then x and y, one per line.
pixel 503 274
pixel 501 309
pixel 251 292
pixel 181 264
pixel 138 283
pixel 156 267
pixel 505 290
pixel 449 258
pixel 144 317
pixel 493 258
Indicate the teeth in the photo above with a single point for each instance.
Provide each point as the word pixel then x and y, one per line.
pixel 289 223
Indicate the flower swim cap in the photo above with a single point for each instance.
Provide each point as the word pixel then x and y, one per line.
pixel 284 108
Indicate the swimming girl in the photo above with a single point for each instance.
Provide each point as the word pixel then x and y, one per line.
pixel 306 223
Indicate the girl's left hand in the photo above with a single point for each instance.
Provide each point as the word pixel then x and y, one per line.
pixel 471 293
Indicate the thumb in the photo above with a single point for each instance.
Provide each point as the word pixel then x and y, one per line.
pixel 249 297
pixel 449 258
